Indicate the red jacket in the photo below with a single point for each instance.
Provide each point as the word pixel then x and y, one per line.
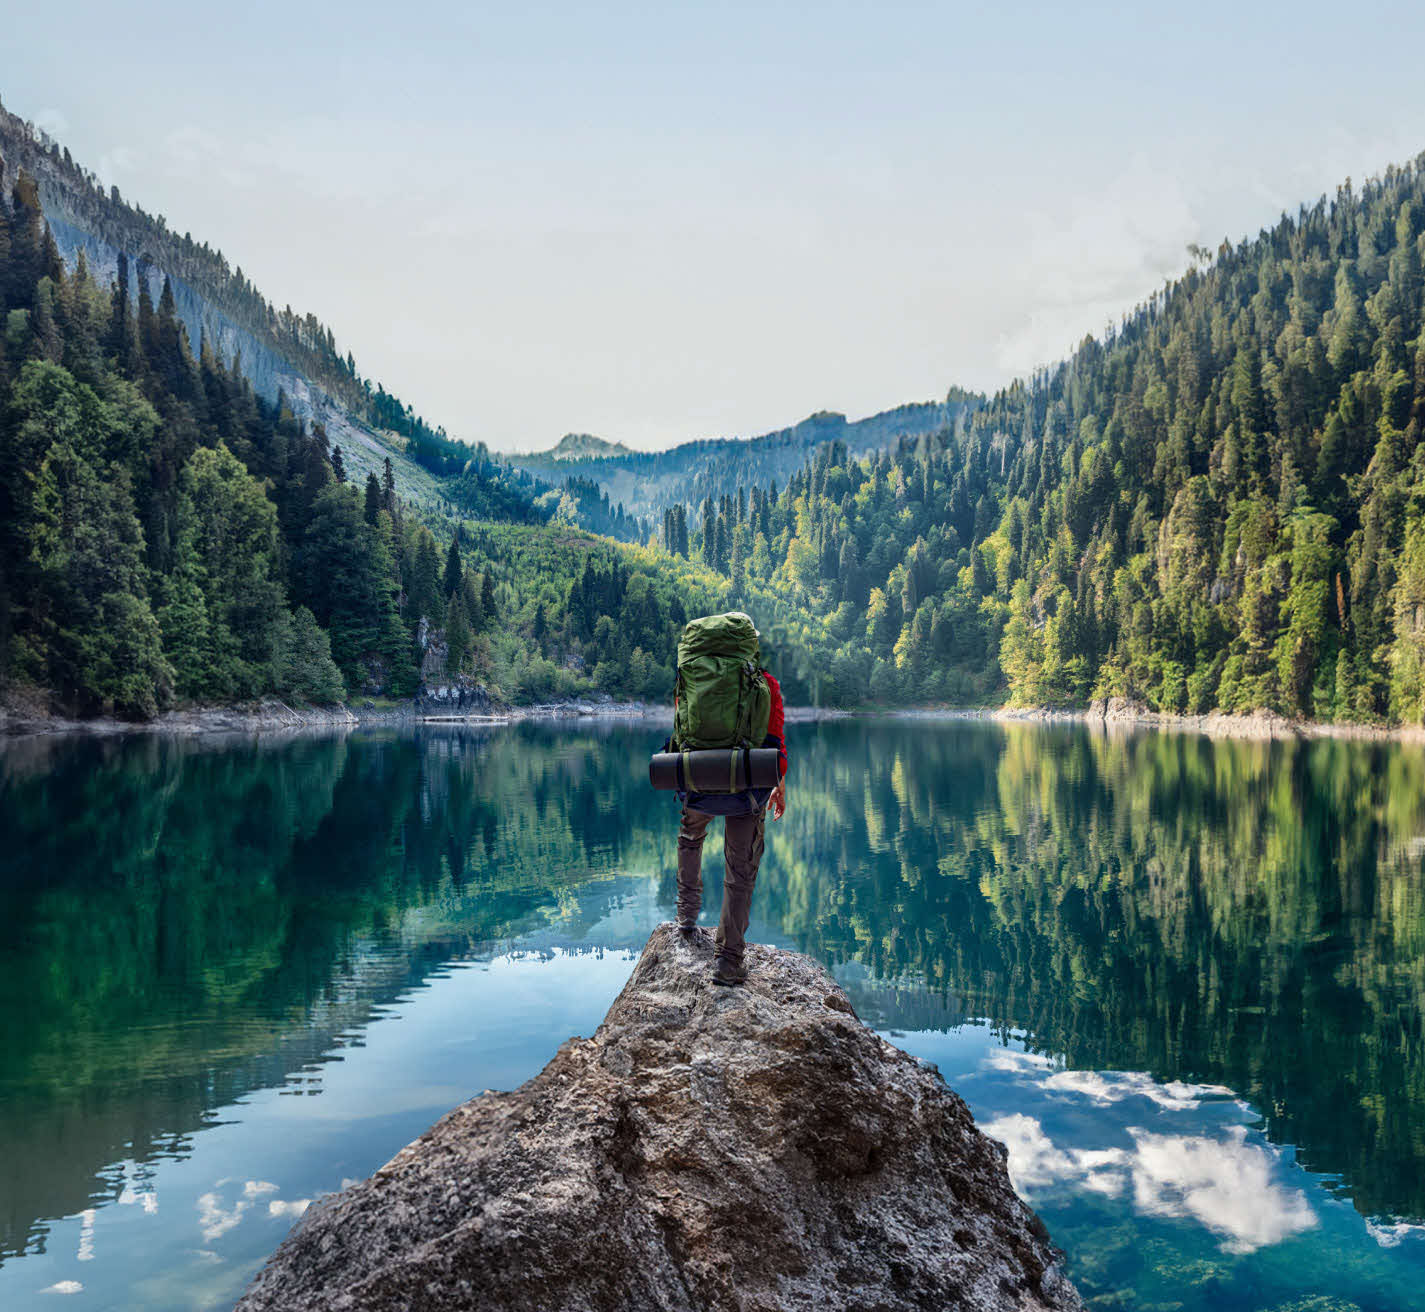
pixel 776 724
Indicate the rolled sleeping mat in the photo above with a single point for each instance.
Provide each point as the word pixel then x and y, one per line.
pixel 715 770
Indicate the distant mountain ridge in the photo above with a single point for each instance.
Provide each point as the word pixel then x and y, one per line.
pixel 579 446
pixel 295 356
pixel 648 482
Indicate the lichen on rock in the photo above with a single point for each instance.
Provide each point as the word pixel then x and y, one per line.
pixel 755 1148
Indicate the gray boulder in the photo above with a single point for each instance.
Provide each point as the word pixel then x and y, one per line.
pixel 709 1148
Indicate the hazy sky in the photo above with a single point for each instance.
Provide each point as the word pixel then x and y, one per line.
pixel 663 222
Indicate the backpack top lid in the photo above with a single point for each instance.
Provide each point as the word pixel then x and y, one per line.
pixel 732 634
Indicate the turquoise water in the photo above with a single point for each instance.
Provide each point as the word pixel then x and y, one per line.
pixel 1182 980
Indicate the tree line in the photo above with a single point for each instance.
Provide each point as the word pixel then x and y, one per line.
pixel 1220 505
pixel 166 534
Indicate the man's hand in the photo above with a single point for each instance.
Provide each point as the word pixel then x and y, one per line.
pixel 778 800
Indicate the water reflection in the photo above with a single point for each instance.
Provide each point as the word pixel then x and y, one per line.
pixel 1186 936
pixel 1249 914
pixel 1229 1184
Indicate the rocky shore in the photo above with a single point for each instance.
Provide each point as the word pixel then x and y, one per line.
pixel 21 715
pixel 1123 712
pixel 756 1148
pixel 18 717
pixel 29 716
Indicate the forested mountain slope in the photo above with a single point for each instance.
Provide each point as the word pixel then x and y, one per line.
pixel 1222 504
pixel 648 483
pixel 167 535
pixel 1219 505
pixel 280 352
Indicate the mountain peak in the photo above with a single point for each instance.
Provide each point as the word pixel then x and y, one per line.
pixel 583 446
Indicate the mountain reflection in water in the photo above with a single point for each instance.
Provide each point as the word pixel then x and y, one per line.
pixel 1181 979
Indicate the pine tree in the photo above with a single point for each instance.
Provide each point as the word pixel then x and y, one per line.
pixel 451 580
pixel 183 620
pixel 487 599
pixel 46 341
pixel 303 665
pixel 458 635
pixel 388 489
pixel 424 597
pixel 147 325
pixel 100 642
pixel 373 499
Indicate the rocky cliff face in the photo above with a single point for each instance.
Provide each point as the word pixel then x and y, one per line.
pixel 278 352
pixel 752 1148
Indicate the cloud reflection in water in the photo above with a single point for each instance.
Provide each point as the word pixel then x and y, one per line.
pixel 1223 1179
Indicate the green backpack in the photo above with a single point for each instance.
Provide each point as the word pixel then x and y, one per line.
pixel 723 700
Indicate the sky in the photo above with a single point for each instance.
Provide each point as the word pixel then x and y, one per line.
pixel 663 222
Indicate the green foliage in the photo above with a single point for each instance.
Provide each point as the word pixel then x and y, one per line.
pixel 232 525
pixel 1407 684
pixel 102 644
pixel 1214 507
pixel 151 505
pixel 458 635
pixel 345 572
pixel 1218 505
pixel 303 665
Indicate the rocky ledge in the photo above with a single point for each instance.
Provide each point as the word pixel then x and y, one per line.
pixel 750 1148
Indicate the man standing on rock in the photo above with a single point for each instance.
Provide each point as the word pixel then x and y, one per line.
pixel 725 698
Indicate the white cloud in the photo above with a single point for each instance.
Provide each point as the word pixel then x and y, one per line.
pixel 1226 1185
pixel 1089 261
pixel 148 1198
pixel 115 162
pixel 1102 1087
pixel 257 1188
pixel 63 1287
pixel 1391 1234
pixel 1036 1163
pixel 86 1236
pixel 1016 1060
pixel 214 1220
pixel 194 153
pixel 1105 1087
pixel 292 1207
pixel 192 145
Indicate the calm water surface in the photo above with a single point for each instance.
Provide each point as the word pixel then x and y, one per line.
pixel 1182 980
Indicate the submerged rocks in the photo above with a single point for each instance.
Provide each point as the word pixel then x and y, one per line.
pixel 709 1148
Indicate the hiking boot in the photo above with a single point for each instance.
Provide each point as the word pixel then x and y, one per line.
pixel 688 931
pixel 729 972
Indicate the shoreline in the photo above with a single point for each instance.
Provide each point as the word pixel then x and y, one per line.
pixel 18 720
pixel 1116 714
pixel 1120 714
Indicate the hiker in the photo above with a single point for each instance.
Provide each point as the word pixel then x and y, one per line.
pixel 723 697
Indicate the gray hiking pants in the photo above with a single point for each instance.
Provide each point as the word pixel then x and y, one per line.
pixel 742 854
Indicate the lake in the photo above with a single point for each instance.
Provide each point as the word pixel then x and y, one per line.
pixel 1181 979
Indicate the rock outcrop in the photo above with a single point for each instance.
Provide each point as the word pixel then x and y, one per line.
pixel 708 1148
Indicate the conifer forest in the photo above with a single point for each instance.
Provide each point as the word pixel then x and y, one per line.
pixel 1218 504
